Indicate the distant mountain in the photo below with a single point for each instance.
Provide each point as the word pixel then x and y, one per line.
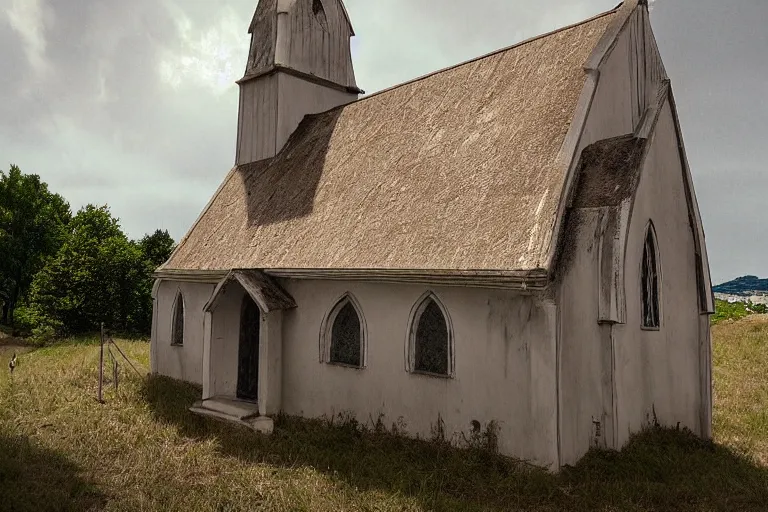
pixel 746 285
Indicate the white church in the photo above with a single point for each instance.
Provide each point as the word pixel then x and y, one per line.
pixel 514 240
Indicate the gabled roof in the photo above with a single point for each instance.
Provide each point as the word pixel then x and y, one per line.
pixel 456 171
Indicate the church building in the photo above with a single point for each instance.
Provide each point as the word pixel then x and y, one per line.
pixel 512 242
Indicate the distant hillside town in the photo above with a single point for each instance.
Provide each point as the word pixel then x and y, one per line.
pixel 743 289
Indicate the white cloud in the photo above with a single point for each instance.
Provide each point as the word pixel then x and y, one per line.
pixel 28 18
pixel 212 58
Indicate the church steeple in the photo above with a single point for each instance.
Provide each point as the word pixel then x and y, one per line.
pixel 300 62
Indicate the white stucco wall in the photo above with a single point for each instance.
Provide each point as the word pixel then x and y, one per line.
pixel 225 341
pixel 581 373
pixel 180 362
pixel 661 369
pixel 504 364
pixel 618 373
pixel 627 85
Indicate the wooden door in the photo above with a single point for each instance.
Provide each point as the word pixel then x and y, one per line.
pixel 248 353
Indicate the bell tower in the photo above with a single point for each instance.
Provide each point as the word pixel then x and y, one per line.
pixel 300 63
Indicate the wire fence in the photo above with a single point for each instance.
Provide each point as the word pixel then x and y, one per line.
pixel 106 339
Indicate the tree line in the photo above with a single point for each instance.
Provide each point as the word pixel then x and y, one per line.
pixel 64 274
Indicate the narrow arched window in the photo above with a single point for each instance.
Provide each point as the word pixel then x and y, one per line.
pixel 431 339
pixel 649 277
pixel 177 334
pixel 345 334
pixel 319 11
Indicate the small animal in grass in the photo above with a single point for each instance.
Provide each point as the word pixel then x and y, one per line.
pixel 12 363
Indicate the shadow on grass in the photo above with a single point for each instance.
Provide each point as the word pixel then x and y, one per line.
pixel 659 470
pixel 34 479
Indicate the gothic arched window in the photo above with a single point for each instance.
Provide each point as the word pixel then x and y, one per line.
pixel 344 334
pixel 649 278
pixel 430 339
pixel 177 332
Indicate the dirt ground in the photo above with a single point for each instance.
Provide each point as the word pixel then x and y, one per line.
pixel 9 346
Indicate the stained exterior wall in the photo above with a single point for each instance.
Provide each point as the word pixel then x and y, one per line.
pixel 179 362
pixel 504 364
pixel 581 374
pixel 504 360
pixel 661 369
pixel 616 374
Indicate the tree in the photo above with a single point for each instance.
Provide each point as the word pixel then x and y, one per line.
pixel 157 247
pixel 33 226
pixel 92 279
pixel 98 275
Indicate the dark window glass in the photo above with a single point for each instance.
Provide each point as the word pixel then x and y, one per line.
pixel 178 322
pixel 346 337
pixel 431 351
pixel 650 280
pixel 319 11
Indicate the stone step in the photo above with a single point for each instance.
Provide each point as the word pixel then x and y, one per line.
pixel 234 411
pixel 231 407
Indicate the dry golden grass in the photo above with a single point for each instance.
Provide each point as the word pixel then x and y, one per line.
pixel 740 353
pixel 142 450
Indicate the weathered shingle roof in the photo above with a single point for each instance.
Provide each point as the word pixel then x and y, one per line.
pixel 457 170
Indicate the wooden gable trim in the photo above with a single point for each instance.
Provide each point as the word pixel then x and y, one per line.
pixel 708 307
pixel 567 157
pixel 269 295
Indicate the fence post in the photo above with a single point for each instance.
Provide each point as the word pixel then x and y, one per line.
pixel 101 363
pixel 115 368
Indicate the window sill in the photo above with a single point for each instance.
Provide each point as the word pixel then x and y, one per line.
pixel 652 329
pixel 345 365
pixel 433 375
pixel 179 345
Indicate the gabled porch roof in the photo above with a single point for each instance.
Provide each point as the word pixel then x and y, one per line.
pixel 269 295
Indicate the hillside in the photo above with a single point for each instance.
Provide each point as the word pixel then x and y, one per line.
pixel 142 450
pixel 746 285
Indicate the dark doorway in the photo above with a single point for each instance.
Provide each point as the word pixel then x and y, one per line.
pixel 248 354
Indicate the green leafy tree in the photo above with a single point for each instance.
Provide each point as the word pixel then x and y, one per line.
pixel 92 279
pixel 98 276
pixel 157 247
pixel 33 226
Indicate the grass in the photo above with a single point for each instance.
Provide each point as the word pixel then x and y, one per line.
pixel 725 311
pixel 142 450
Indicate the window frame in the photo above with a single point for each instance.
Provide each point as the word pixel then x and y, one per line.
pixel 650 230
pixel 179 299
pixel 326 332
pixel 413 326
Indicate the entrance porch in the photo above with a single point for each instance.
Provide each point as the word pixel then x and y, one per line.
pixel 242 346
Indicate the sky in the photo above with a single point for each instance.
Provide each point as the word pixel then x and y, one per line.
pixel 134 104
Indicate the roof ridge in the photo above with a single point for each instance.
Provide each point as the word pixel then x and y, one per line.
pixel 475 59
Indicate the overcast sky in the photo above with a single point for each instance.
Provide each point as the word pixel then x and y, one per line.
pixel 134 104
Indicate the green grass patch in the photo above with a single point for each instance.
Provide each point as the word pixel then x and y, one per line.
pixel 733 311
pixel 143 450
